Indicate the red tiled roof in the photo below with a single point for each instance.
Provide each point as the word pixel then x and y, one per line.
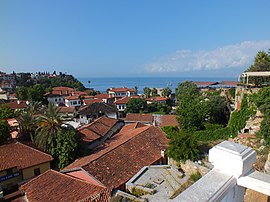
pixel 17 105
pixel 55 186
pixel 157 99
pixel 89 102
pixel 72 97
pixel 21 156
pixel 96 129
pixel 136 117
pixel 80 93
pixel 122 90
pixel 229 83
pixel 124 100
pixel 124 155
pixel 66 109
pixel 205 83
pixel 62 90
pixel 102 96
pixel 131 126
pixel 165 120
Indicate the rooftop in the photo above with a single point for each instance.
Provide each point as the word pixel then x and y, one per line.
pixel 111 162
pixel 22 156
pixel 55 186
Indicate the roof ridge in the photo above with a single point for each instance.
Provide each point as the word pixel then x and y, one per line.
pixel 34 149
pixel 126 140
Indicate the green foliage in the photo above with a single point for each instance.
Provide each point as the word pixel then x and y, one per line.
pixel 49 126
pixel 238 118
pixel 158 108
pixel 217 111
pixel 183 146
pixel 135 105
pixel 6 112
pixel 166 92
pixel 66 147
pixel 232 92
pixel 22 93
pixel 212 135
pixel 195 176
pixel 170 130
pixel 191 109
pixel 147 92
pixel 262 99
pixel 154 92
pixel 261 63
pixel 4 131
pixel 36 93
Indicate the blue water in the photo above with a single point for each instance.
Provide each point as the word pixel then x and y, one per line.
pixel 102 84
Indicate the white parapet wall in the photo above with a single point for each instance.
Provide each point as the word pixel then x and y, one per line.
pixel 232 174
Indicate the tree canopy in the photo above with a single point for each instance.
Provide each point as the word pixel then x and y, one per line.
pixel 4 131
pixel 135 105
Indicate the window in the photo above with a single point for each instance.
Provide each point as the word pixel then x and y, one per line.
pixel 36 171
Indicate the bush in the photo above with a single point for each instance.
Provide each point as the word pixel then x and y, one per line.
pixel 212 135
pixel 195 176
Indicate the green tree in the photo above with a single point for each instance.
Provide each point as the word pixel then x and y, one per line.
pixel 49 126
pixel 154 92
pixel 183 146
pixel 135 105
pixel 66 147
pixel 4 131
pixel 261 63
pixel 166 92
pixel 36 93
pixel 22 93
pixel 6 112
pixel 191 109
pixel 147 92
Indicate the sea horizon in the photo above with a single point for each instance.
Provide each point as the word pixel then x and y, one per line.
pixel 103 83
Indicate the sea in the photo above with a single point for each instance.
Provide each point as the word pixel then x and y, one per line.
pixel 102 84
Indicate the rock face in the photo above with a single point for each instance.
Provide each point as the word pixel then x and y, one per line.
pixel 267 165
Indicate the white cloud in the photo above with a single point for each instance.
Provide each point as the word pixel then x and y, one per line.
pixel 230 56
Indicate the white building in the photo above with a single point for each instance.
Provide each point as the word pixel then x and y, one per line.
pixel 122 92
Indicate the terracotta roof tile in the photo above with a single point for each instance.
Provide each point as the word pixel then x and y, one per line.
pixel 130 126
pixel 72 97
pixel 165 120
pixel 229 83
pixel 96 129
pixel 122 90
pixel 157 99
pixel 55 186
pixel 66 109
pixel 89 102
pixel 136 117
pixel 102 96
pixel 21 156
pixel 205 83
pixel 124 155
pixel 17 105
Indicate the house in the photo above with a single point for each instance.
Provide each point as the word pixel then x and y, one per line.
pixel 73 101
pixel 101 129
pixel 123 155
pixel 58 100
pixel 121 92
pixel 88 113
pixel 20 163
pixel 91 101
pixel 105 97
pixel 121 104
pixel 62 90
pixel 66 113
pixel 17 105
pixel 7 82
pixel 158 100
pixel 76 185
pixel 152 119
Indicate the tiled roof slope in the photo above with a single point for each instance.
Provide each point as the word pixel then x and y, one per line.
pixel 134 117
pixel 96 129
pixel 96 108
pixel 21 156
pixel 55 186
pixel 122 90
pixel 124 155
pixel 165 120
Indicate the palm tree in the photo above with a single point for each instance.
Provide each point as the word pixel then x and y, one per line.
pixel 28 120
pixel 49 125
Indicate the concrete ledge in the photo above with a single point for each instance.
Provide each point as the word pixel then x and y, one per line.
pixel 214 186
pixel 256 181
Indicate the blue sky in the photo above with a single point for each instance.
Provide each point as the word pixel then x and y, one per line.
pixel 96 38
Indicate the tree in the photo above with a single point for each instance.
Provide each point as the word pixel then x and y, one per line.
pixel 49 126
pixel 154 92
pixel 6 112
pixel 147 92
pixel 4 131
pixel 166 92
pixel 135 105
pixel 22 93
pixel 66 147
pixel 36 93
pixel 191 109
pixel 261 63
pixel 183 146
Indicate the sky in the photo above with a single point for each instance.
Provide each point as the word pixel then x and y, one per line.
pixel 133 38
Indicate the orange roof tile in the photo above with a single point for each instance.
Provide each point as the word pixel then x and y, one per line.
pixel 136 117
pixel 22 156
pixel 165 120
pixel 55 186
pixel 89 102
pixel 124 155
pixel 122 90
pixel 17 105
pixel 96 129
pixel 157 99
pixel 65 109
